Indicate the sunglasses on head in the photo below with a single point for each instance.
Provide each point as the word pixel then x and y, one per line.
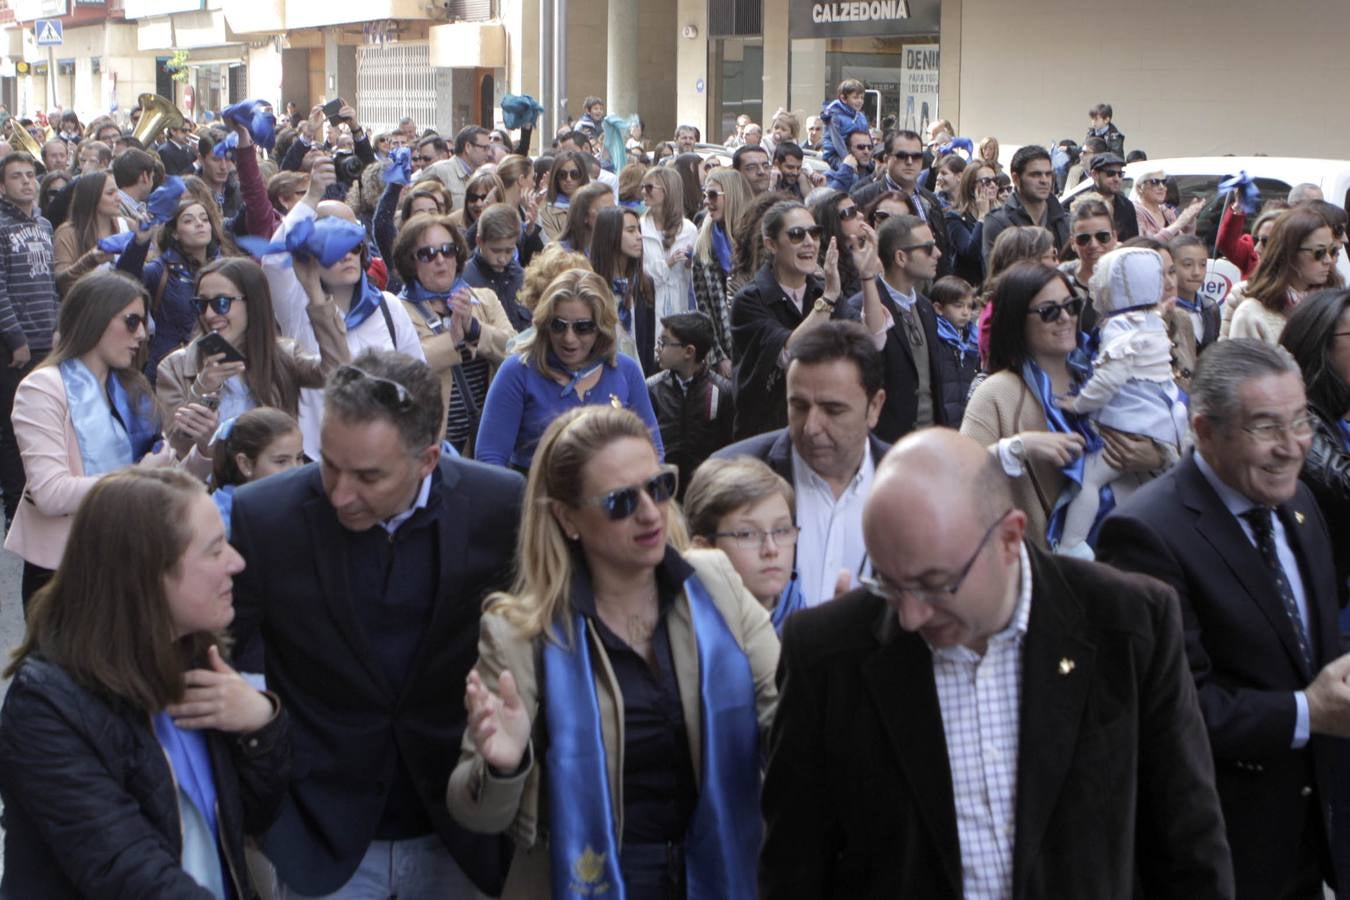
pixel 391 394
pixel 134 322
pixel 427 254
pixel 1102 237
pixel 1052 311
pixel 907 157
pixel 622 502
pixel 219 304
pixel 580 327
pixel 798 233
pixel 849 212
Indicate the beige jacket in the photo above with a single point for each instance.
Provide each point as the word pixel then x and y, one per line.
pixel 296 368
pixel 69 264
pixel 486 804
pixel 495 330
pixel 55 470
pixel 553 220
pixel 1252 319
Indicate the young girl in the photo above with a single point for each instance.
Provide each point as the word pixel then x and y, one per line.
pixel 261 442
pixel 616 256
pixel 1131 389
pixel 959 356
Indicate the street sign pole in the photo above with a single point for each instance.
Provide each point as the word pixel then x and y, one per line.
pixel 51 83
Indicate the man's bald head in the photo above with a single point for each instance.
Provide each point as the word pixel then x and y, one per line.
pixel 337 208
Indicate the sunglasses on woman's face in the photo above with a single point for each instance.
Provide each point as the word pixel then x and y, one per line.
pixel 569 175
pixel 798 233
pixel 985 182
pixel 474 198
pixel 650 188
pixel 580 327
pixel 848 212
pixel 1154 182
pixel 1318 253
pixel 219 304
pixel 1051 312
pixel 134 322
pixel 1102 237
pixel 427 254
pixel 712 195
pixel 621 503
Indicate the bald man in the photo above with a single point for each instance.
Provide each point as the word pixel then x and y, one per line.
pixel 984 720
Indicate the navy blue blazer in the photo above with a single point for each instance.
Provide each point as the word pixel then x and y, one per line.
pixel 349 724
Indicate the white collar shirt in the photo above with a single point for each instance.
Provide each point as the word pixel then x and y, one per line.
pixel 831 536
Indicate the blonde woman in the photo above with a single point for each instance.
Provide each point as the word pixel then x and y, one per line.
pixel 645 669
pixel 1157 219
pixel 667 240
pixel 725 196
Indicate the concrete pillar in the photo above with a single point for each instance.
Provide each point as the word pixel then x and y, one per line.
pixel 622 75
pixel 691 67
pixel 339 68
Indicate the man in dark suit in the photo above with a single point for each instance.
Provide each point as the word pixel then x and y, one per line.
pixel 827 452
pixel 1242 542
pixel 365 576
pixel 904 165
pixel 985 719
pixel 178 153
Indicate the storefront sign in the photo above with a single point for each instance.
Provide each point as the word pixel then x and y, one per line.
pixel 918 87
pixel 862 18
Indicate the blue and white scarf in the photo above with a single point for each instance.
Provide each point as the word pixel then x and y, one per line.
pixel 963 341
pixel 111 434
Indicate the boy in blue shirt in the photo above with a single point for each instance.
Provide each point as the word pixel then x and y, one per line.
pixel 842 117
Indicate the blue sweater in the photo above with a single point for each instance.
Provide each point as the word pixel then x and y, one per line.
pixel 522 402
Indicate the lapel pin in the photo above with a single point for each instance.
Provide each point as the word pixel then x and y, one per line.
pixel 1066 666
pixel 1298 517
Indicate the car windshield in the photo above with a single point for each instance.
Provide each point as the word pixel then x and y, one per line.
pixel 1181 188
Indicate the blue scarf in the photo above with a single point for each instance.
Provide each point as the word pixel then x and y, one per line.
pixel 619 287
pixel 789 602
pixel 110 433
pixel 191 766
pixel 721 247
pixel 224 500
pixel 421 298
pixel 963 341
pixel 577 375
pixel 562 201
pixel 1062 421
pixel 1188 305
pixel 723 842
pixel 365 307
pixel 1345 434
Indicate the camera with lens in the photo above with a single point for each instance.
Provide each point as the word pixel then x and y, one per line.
pixel 347 165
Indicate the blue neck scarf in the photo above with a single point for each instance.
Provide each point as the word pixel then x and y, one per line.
pixel 111 434
pixel 1188 305
pixel 963 341
pixel 789 602
pixel 723 842
pixel 224 500
pixel 191 766
pixel 576 375
pixel 619 287
pixel 421 298
pixel 1062 421
pixel 1344 426
pixel 721 247
pixel 562 201
pixel 366 304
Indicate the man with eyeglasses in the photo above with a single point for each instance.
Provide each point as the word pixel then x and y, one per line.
pixel 1032 202
pixel 904 165
pixel 366 573
pixel 857 162
pixel 1108 174
pixel 473 148
pixel 1243 543
pixel 753 163
pixel 984 719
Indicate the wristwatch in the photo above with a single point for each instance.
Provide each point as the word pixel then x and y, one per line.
pixel 824 304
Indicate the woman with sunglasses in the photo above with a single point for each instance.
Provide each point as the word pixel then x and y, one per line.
pixel 572 359
pixel 570 172
pixel 616 256
pixel 1158 218
pixel 398 204
pixel 646 669
pixel 234 302
pixel 725 195
pixel 787 298
pixel 1033 334
pixel 480 191
pixel 88 410
pixel 975 197
pixel 1013 244
pixel 586 204
pixel 95 212
pixel 841 222
pixel 1092 235
pixel 1298 259
pixel 667 241
pixel 516 174
pixel 463 329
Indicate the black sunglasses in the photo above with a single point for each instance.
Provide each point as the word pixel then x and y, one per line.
pixel 925 247
pixel 985 182
pixel 569 174
pixel 1052 311
pixel 580 327
pixel 1111 173
pixel 427 254
pixel 1082 240
pixel 621 503
pixel 858 148
pixel 879 216
pixel 798 233
pixel 907 157
pixel 713 195
pixel 134 322
pixel 474 198
pixel 219 304
pixel 1153 182
pixel 1318 253
pixel 391 394
pixel 848 212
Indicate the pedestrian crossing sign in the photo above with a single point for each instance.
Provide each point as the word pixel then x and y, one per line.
pixel 48 33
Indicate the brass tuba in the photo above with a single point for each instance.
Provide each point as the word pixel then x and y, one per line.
pixel 20 139
pixel 157 113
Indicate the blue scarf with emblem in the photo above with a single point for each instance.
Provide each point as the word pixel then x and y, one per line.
pixel 722 845
pixel 110 432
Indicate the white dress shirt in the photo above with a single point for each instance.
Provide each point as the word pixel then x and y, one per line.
pixel 981 702
pixel 831 536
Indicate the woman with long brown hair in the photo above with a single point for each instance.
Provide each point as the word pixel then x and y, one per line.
pixel 1297 259
pixel 616 256
pixel 135 759
pixel 586 204
pixel 95 212
pixel 667 240
pixel 972 202
pixel 570 172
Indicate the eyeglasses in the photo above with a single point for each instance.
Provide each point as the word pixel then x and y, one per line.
pixel 860 148
pixel 391 394
pixel 569 175
pixel 1270 432
pixel 1111 173
pixel 650 188
pixel 663 342
pixel 879 216
pixel 712 195
pixel 622 502
pixel 985 182
pixel 487 146
pixel 848 213
pixel 1318 253
pixel 893 593
pixel 219 304
pixel 1051 312
pixel 427 254
pixel 474 198
pixel 798 233
pixel 134 322
pixel 753 538
pixel 1152 182
pixel 926 247
pixel 907 157
pixel 580 327
pixel 1102 237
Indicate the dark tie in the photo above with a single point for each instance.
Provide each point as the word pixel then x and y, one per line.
pixel 1259 518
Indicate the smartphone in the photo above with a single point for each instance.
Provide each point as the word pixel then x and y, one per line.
pixel 213 344
pixel 331 110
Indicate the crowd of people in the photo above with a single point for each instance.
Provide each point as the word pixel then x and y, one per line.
pixel 406 515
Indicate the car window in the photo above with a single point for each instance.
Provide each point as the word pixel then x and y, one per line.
pixel 1185 187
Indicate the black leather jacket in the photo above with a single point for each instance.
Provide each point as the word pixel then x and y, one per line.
pixel 91 805
pixel 695 422
pixel 1326 470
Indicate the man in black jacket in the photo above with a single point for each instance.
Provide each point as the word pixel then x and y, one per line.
pixel 364 581
pixel 178 153
pixel 1032 202
pixel 692 402
pixel 1108 172
pixel 904 164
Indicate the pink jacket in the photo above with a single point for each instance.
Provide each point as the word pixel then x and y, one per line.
pixel 55 471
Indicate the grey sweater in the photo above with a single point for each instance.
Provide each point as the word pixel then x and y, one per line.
pixel 28 301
